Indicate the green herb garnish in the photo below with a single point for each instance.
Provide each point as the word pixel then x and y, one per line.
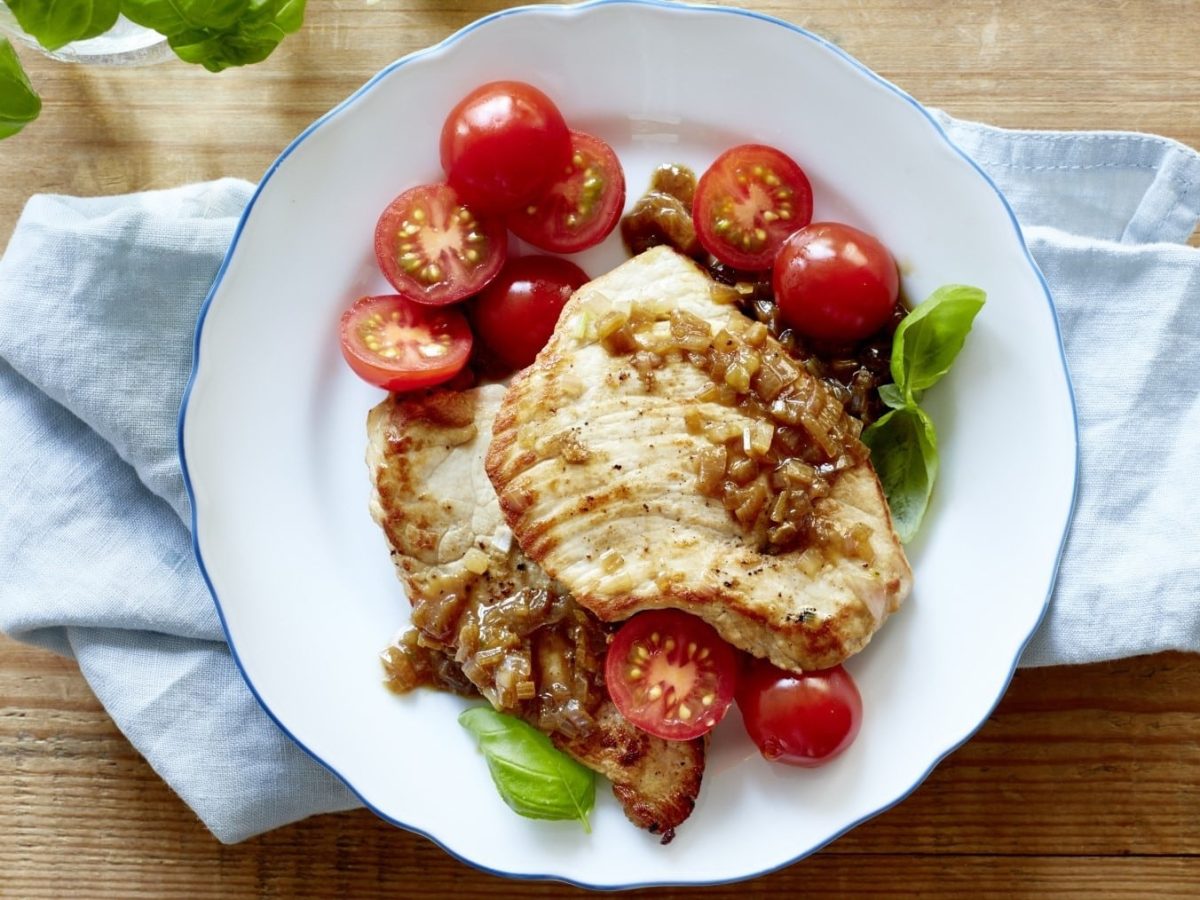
pixel 903 443
pixel 534 778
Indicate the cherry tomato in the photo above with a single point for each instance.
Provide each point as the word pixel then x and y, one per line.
pixel 399 345
pixel 581 208
pixel 802 720
pixel 516 314
pixel 748 202
pixel 434 249
pixel 504 143
pixel 671 674
pixel 835 282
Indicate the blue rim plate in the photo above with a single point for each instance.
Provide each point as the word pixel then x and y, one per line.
pixel 271 432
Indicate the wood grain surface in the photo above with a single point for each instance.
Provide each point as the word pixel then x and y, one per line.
pixel 1084 782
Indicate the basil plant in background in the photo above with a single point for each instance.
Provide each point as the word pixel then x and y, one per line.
pixel 19 102
pixel 215 34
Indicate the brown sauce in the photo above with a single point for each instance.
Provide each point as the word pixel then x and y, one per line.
pixel 533 653
pixel 773 472
pixel 663 215
pixel 854 371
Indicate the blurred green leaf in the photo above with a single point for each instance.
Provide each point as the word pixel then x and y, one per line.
pixel 104 17
pixel 218 34
pixel 290 16
pixel 58 22
pixel 171 17
pixel 19 102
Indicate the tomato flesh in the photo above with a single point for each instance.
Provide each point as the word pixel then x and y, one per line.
pixel 400 345
pixel 748 202
pixel 581 208
pixel 671 674
pixel 799 719
pixel 834 282
pixel 503 145
pixel 516 314
pixel 435 249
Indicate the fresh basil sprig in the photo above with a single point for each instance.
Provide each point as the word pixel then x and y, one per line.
pixel 534 778
pixel 19 102
pixel 216 34
pixel 903 443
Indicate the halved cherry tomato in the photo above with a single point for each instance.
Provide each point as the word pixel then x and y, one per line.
pixel 399 345
pixel 748 202
pixel 504 143
pixel 799 719
pixel 434 249
pixel 582 207
pixel 516 314
pixel 834 282
pixel 671 674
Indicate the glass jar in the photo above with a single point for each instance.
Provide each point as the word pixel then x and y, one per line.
pixel 125 44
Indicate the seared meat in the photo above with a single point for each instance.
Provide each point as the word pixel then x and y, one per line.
pixel 655 781
pixel 488 618
pixel 603 457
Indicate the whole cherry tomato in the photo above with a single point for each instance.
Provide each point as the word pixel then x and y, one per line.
pixel 503 145
pixel 799 719
pixel 516 314
pixel 834 282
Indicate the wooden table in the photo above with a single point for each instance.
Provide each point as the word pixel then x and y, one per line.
pixel 1085 780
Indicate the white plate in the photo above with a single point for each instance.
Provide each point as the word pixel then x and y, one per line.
pixel 272 430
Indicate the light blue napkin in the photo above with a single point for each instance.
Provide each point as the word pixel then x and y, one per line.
pixel 98 299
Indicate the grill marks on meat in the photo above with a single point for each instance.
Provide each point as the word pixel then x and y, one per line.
pixel 489 620
pixel 620 522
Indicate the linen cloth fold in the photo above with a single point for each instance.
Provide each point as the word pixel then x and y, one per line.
pixel 98 301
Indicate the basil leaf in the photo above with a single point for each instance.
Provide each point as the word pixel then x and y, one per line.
pixel 217 51
pixel 903 447
pixel 104 17
pixel 53 22
pixel 172 17
pixel 218 34
pixel 56 23
pixel 251 39
pixel 290 16
pixel 19 102
pixel 534 778
pixel 929 338
pixel 892 396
